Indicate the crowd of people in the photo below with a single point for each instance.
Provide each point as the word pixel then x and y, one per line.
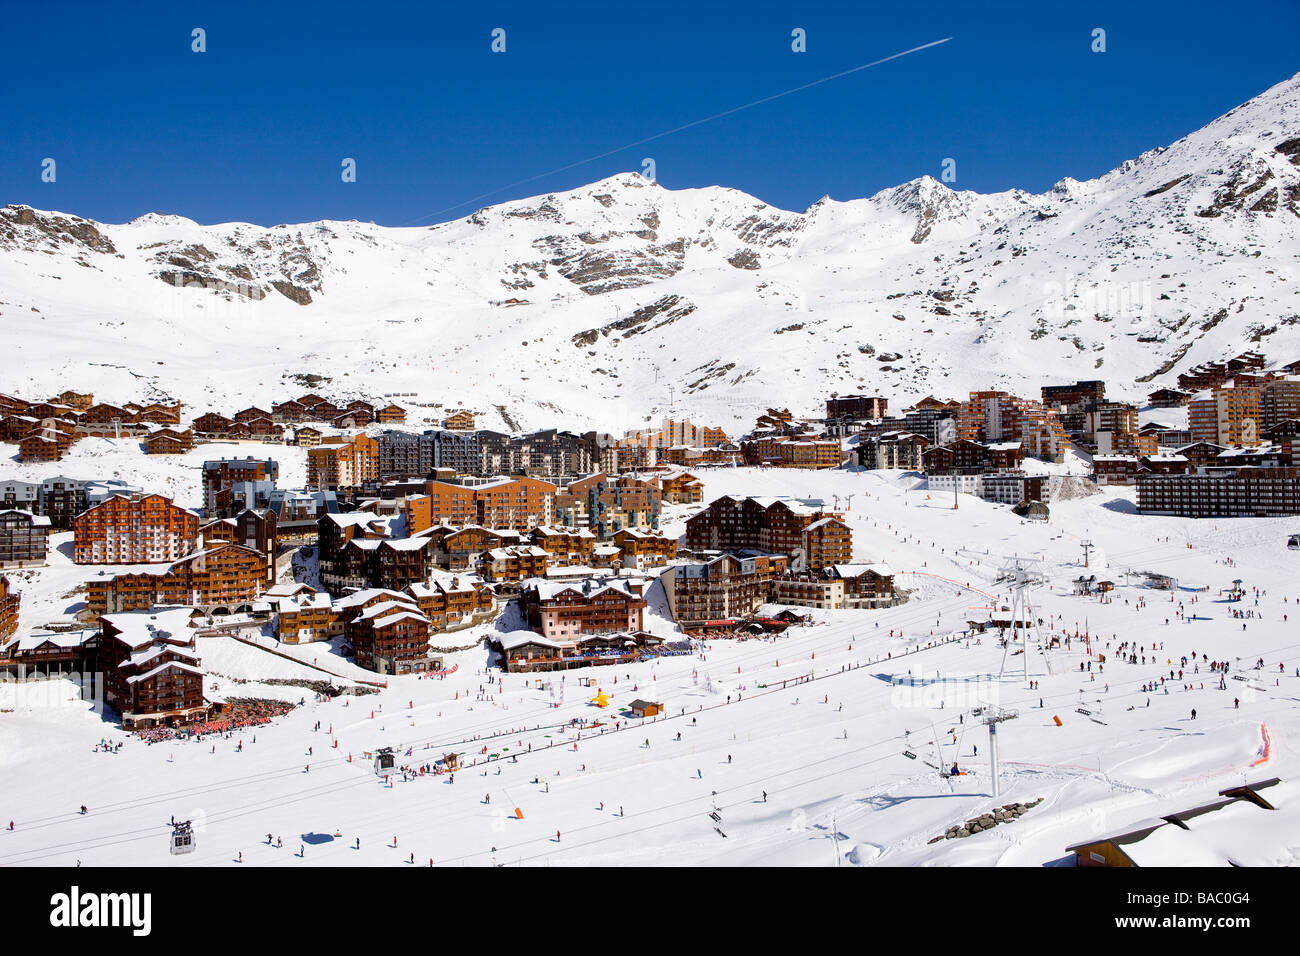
pixel 242 714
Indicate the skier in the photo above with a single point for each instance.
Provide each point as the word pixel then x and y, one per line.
pixel 1193 713
pixel 83 809
pixel 1236 703
pixel 557 836
pixel 728 758
pixel 765 796
pixel 487 798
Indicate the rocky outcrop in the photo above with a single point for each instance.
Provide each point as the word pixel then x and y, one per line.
pixel 1007 813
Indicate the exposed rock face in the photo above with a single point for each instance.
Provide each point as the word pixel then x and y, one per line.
pixel 24 227
pixel 189 279
pixel 666 311
pixel 292 292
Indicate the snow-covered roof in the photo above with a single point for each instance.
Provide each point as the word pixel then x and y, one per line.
pixel 162 667
pixel 547 589
pixel 350 518
pixel 854 570
pixel 387 607
pixel 289 589
pixel 516 639
pixel 822 522
pixel 368 594
pixel 142 657
pixel 134 627
pixel 399 616
pixel 30 642
pixel 37 521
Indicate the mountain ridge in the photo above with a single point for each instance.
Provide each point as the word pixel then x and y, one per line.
pixel 636 298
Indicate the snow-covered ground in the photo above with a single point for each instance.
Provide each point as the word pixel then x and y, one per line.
pixel 828 752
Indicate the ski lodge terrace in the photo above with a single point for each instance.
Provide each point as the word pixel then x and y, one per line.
pixel 528 651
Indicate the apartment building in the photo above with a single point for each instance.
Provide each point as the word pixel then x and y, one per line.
pixel 24 539
pixel 519 503
pixel 223 579
pixel 346 465
pixel 799 528
pixel 723 588
pixel 1227 416
pixel 10 600
pixel 222 475
pixel 608 504
pixel 560 610
pixel 1222 493
pixel 135 529
pixel 151 667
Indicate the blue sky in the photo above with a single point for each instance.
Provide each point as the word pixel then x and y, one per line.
pixel 255 128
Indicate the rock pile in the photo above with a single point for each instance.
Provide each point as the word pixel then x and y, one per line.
pixel 1006 813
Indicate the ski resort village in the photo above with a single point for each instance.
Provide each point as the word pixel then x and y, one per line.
pixel 669 642
pixel 647 527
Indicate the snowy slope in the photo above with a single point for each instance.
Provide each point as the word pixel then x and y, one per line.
pixel 638 296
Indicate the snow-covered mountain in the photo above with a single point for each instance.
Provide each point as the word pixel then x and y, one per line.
pixel 633 296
